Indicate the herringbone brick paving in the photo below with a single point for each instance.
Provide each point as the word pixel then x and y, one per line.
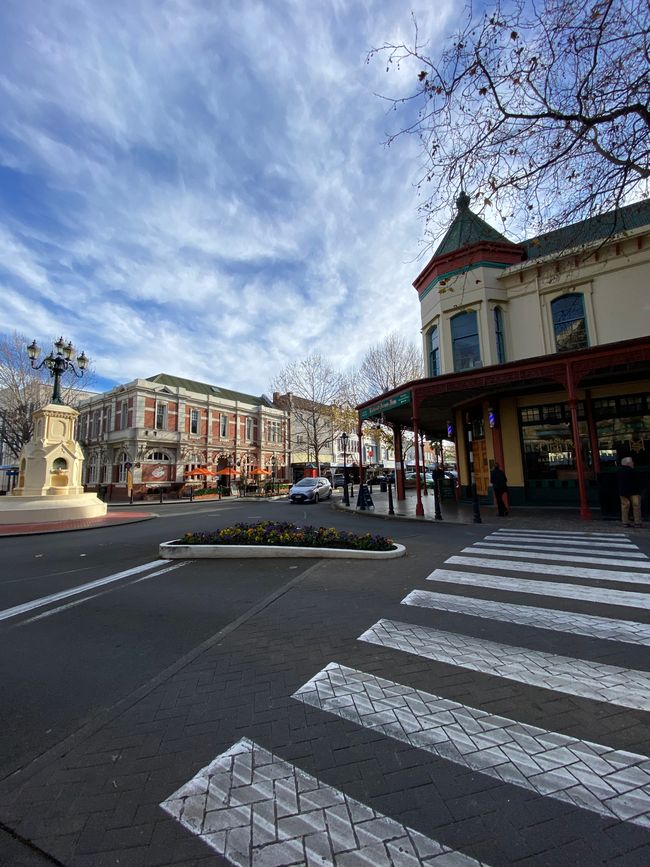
pixel 99 802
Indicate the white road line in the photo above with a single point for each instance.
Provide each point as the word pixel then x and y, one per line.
pixel 574 558
pixel 548 569
pixel 604 628
pixel 566 547
pixel 85 599
pixel 612 684
pixel 589 775
pixel 541 540
pixel 563 533
pixel 597 595
pixel 75 591
pixel 253 808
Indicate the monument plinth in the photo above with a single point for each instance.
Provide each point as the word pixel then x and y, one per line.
pixel 50 474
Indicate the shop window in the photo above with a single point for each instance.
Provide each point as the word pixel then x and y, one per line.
pixel 434 351
pixel 499 335
pixel 122 471
pixel 569 324
pixel 465 341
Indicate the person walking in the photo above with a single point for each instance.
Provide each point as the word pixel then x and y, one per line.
pixel 499 484
pixel 629 491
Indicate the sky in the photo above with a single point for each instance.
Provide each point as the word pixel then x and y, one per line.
pixel 202 188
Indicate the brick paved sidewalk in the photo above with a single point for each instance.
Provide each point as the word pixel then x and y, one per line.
pixel 234 705
pixel 111 519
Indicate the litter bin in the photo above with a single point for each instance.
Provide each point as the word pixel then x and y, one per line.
pixel 383 486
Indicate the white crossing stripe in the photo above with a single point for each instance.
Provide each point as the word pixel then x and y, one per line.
pixel 82 588
pixel 550 569
pixel 253 808
pixel 526 554
pixel 574 543
pixel 605 628
pixel 615 685
pixel 589 775
pixel 564 534
pixel 631 552
pixel 597 595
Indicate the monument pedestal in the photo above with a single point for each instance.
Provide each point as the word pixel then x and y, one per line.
pixel 50 471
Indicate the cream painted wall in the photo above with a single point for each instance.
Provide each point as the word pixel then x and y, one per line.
pixel 614 281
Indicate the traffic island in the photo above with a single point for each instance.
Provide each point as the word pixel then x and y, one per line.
pixel 271 539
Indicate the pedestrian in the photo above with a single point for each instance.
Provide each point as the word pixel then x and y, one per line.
pixel 499 484
pixel 629 491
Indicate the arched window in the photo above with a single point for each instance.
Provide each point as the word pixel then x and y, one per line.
pixel 499 335
pixel 434 351
pixel 569 324
pixel 92 472
pixel 157 456
pixel 465 341
pixel 122 460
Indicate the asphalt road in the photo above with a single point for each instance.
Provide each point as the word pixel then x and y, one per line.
pixel 65 660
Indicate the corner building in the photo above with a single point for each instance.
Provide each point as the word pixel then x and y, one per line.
pixel 537 355
pixel 154 433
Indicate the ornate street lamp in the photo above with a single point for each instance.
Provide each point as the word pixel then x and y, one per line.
pixel 58 363
pixel 346 495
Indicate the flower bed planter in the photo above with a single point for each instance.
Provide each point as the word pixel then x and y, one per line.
pixel 280 539
pixel 177 551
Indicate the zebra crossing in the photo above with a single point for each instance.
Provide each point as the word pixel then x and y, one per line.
pixel 255 808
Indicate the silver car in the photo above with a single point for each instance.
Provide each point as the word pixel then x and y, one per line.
pixel 310 490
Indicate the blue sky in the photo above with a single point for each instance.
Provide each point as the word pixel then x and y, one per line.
pixel 201 188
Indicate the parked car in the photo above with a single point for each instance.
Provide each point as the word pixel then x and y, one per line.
pixel 339 480
pixel 310 490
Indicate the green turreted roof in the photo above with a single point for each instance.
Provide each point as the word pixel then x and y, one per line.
pixel 467 228
pixel 206 388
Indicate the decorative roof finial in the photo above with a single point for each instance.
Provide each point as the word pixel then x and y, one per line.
pixel 462 202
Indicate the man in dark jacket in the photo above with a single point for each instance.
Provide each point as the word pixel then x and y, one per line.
pixel 629 491
pixel 499 484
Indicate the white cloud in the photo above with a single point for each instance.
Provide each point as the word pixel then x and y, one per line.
pixel 210 181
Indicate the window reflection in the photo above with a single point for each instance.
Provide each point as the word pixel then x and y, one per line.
pixel 465 341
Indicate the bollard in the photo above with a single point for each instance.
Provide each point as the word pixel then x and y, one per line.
pixel 475 507
pixel 191 494
pixel 391 510
pixel 161 495
pixel 131 497
pixel 436 498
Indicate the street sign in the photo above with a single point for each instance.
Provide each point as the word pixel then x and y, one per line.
pixel 401 399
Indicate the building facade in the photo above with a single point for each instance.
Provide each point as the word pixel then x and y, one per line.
pixel 537 355
pixel 165 431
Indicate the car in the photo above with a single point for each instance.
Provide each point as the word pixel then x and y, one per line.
pixel 310 490
pixel 339 480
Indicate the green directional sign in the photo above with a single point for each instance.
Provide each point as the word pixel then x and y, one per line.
pixel 392 402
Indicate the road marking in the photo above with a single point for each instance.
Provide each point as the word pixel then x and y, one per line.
pixel 75 591
pixel 253 808
pixel 549 569
pixel 567 547
pixel 604 628
pixel 597 595
pixel 598 778
pixel 526 554
pixel 594 680
pixel 563 534
pixel 495 538
pixel 83 601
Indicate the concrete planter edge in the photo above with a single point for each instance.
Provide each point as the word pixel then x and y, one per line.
pixel 173 551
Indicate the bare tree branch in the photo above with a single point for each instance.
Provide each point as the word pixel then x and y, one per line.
pixel 539 111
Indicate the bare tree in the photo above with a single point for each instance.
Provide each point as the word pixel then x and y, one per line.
pixel 387 365
pixel 538 110
pixel 311 391
pixel 23 390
